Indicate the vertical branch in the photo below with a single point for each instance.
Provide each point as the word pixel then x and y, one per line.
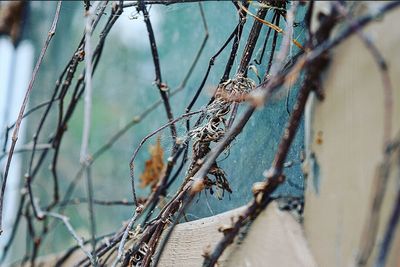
pixel 271 58
pixel 163 88
pixel 23 106
pixel 210 64
pixel 88 86
pixel 259 60
pixel 85 155
pixel 237 33
pixel 247 54
pixel 236 42
pixel 252 41
pixel 371 224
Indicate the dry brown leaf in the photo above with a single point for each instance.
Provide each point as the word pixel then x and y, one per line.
pixel 154 166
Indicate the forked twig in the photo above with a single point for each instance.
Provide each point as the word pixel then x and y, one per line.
pixel 79 240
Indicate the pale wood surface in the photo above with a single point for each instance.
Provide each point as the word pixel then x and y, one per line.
pixel 274 239
pixel 346 138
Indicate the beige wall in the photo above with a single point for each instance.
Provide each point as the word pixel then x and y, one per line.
pixel 346 137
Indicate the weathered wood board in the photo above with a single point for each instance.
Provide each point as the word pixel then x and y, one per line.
pixel 274 239
pixel 346 134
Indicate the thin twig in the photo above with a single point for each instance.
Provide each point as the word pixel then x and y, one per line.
pixel 125 236
pixel 65 221
pixel 85 154
pixel 247 54
pixel 77 201
pixel 162 88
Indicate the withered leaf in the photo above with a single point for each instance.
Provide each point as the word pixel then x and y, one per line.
pixel 154 166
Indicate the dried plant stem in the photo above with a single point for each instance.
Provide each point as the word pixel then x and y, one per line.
pixel 85 154
pixel 161 87
pixel 125 236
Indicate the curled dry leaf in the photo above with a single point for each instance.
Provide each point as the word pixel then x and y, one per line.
pixel 154 166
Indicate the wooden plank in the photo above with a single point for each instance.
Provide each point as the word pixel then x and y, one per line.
pixel 346 134
pixel 274 239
